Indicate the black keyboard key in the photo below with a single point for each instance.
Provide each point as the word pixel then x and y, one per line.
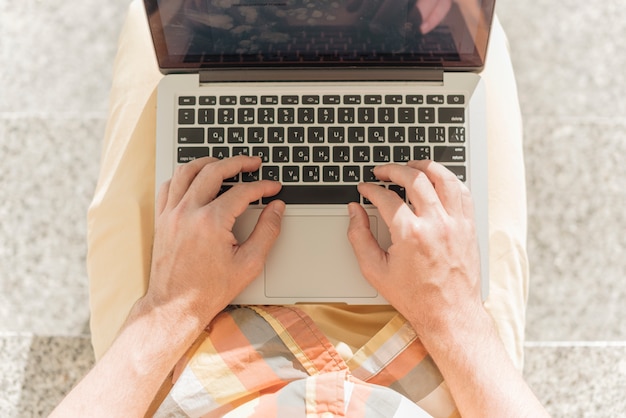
pixel 321 154
pixel 351 174
pixel 266 115
pixel 208 100
pixel 393 99
pixel 386 115
pixel 316 135
pixel 366 115
pixel 295 135
pixel 291 174
pixel 341 154
pixel 216 136
pixel 221 152
pixel 270 172
pixel 436 134
pixel 331 99
pixel 456 134
pixel 276 135
pixel 316 194
pixel 346 115
pixel 186 116
pixel 406 115
pixel 249 100
pixel 356 134
pixel 286 115
pixel 415 99
pixel 190 135
pixel 375 134
pixel 241 151
pixel 456 99
pixel 435 99
pixel 226 116
pixel 373 99
pixel 228 100
pixel 426 115
pixel 396 134
pixel 186 100
pixel 306 115
pixel 206 116
pixel 186 154
pixel 331 173
pixel 256 135
pixel 311 174
pixel 289 100
pixel 361 154
pixel 262 152
pixel 245 115
pixel 382 154
pixel 311 100
pixel 280 154
pixel 269 100
pixel 449 154
pixel 459 171
pixel 401 154
pixel 336 134
pixel 368 173
pixel 417 134
pixel 400 191
pixel 250 177
pixel 235 136
pixel 351 99
pixel 301 155
pixel 421 153
pixel 451 115
pixel 326 115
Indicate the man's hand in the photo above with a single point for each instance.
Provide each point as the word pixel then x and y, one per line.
pixel 430 274
pixel 197 264
pixel 431 271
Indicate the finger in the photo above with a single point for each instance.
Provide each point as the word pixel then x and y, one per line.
pixel 396 214
pixel 451 191
pixel 236 200
pixel 207 183
pixel 419 189
pixel 183 177
pixel 253 252
pixel 371 258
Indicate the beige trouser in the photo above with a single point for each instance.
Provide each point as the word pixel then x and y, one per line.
pixel 120 218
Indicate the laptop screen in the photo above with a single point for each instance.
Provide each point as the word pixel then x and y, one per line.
pixel 194 34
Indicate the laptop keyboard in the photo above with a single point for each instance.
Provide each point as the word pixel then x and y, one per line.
pixel 321 146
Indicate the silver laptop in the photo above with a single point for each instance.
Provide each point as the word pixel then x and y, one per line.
pixel 322 91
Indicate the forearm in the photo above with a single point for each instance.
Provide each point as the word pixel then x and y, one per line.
pixel 477 369
pixel 124 382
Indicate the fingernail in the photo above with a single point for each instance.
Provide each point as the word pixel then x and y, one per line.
pixel 352 210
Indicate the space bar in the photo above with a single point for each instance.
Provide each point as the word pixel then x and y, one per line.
pixel 316 195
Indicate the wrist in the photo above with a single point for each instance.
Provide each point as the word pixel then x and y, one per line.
pixel 456 328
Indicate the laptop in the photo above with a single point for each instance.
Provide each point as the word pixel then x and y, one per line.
pixel 322 91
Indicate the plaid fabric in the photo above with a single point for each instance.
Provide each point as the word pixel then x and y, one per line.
pixel 275 362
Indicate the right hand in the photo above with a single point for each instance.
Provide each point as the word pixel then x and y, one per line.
pixel 431 271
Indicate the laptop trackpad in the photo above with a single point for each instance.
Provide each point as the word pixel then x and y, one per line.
pixel 313 258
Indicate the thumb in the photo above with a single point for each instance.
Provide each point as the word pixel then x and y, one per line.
pixel 371 258
pixel 254 250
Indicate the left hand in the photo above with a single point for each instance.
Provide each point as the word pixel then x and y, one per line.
pixel 197 264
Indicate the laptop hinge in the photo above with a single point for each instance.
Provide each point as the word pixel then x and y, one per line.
pixel 322 74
